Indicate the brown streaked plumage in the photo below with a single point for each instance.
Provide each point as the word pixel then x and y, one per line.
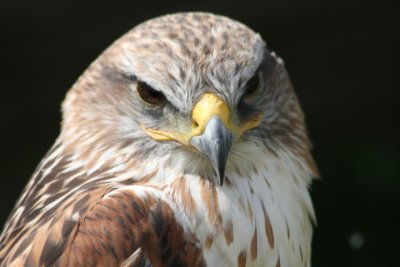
pixel 228 234
pixel 242 259
pixel 253 247
pixel 183 144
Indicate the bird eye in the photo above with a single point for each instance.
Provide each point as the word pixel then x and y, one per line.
pixel 149 95
pixel 252 85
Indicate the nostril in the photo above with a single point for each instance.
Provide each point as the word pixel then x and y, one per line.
pixel 195 124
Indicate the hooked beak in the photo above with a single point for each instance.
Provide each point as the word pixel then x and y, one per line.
pixel 215 143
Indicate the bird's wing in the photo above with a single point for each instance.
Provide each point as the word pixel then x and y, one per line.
pixel 129 226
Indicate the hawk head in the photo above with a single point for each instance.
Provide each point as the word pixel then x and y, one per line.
pixel 192 88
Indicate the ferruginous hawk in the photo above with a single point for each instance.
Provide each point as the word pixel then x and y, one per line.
pixel 183 144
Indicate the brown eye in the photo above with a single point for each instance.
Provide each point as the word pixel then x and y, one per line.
pixel 149 95
pixel 252 85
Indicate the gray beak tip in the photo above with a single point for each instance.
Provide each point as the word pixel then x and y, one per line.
pixel 215 143
pixel 221 180
pixel 221 170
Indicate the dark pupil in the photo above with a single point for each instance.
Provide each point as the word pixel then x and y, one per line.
pixel 252 84
pixel 148 94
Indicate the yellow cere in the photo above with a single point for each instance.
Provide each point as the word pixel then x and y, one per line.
pixel 208 106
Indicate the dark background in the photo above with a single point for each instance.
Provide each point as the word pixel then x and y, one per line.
pixel 343 57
